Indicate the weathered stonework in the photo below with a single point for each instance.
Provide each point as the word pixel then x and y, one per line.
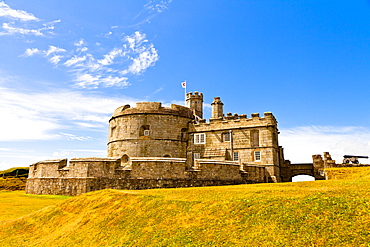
pixel 151 146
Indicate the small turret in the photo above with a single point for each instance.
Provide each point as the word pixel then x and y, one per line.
pixel 217 108
pixel 195 103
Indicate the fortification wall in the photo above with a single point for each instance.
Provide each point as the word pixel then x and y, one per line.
pixel 77 186
pixel 61 177
pixel 255 173
pixel 219 170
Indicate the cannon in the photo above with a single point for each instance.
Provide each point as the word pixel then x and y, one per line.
pixel 353 158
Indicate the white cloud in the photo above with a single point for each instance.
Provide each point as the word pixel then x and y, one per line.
pixel 111 81
pixel 21 125
pixel 75 61
pixel 74 137
pixel 53 49
pixel 151 9
pixel 109 58
pixel 135 41
pixel 135 55
pixel 30 52
pixel 82 49
pixel 81 42
pixel 92 69
pixel 70 153
pixel 87 80
pixel 42 116
pixel 24 23
pixel 55 59
pixel 301 143
pixel 157 6
pixel 61 154
pixel 143 61
pixel 10 30
pixel 8 12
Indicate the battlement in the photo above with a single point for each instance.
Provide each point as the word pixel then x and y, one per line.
pixel 255 119
pixel 149 105
pixel 195 103
pixel 196 95
pixel 153 108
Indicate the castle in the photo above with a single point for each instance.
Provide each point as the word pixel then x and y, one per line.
pixel 151 146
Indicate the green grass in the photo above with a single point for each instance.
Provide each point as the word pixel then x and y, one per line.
pixel 321 213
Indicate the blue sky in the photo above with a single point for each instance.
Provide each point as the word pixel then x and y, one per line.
pixel 65 66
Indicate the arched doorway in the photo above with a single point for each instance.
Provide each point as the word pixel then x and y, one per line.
pixel 303 178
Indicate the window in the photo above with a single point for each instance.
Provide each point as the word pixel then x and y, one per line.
pixel 113 131
pixel 226 136
pixel 257 156
pixel 144 130
pixel 184 134
pixel 236 156
pixel 196 155
pixel 200 138
pixel 255 138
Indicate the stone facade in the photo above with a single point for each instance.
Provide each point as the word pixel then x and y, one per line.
pixel 151 146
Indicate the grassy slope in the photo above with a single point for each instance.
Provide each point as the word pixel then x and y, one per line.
pixel 13 169
pixel 12 183
pixel 321 213
pixel 15 204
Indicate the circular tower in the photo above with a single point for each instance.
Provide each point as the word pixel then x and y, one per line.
pixel 149 130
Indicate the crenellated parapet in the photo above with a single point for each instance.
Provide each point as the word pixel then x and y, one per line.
pixel 153 108
pixel 238 121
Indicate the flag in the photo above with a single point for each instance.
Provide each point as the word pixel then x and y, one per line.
pixel 183 84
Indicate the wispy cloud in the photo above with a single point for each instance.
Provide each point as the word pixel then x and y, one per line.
pixel 74 137
pixel 134 56
pixel 30 52
pixel 10 29
pixel 24 23
pixel 6 11
pixel 74 152
pixel 157 6
pixel 43 116
pixel 151 9
pixel 301 143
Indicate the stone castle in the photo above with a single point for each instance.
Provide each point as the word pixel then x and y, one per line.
pixel 151 146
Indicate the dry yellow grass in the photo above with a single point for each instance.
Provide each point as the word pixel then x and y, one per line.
pixel 11 184
pixel 321 213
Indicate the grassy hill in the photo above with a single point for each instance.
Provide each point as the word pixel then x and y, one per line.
pixel 321 213
pixel 15 172
pixel 7 183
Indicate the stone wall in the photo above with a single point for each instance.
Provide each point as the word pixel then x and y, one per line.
pixel 77 186
pixel 248 135
pixel 82 175
pixel 149 130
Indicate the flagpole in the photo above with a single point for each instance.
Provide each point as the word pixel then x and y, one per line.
pixel 185 92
